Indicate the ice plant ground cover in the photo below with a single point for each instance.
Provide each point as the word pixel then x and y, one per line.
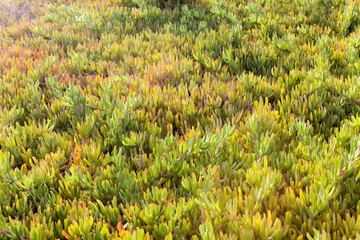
pixel 14 10
pixel 204 119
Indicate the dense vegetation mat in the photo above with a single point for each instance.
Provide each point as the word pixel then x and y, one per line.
pixel 212 119
pixel 15 10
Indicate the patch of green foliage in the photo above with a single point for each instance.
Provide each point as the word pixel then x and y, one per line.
pixel 203 119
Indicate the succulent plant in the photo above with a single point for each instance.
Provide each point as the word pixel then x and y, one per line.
pixel 204 119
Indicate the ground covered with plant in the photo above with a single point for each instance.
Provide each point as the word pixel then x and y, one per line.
pixel 206 119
